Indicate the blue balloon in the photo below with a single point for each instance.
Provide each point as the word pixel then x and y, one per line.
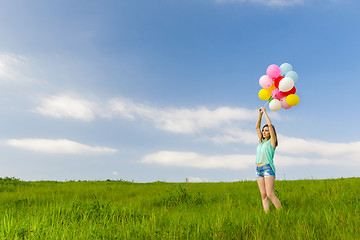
pixel 285 68
pixel 293 75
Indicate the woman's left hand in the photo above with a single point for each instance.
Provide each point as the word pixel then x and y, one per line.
pixel 262 109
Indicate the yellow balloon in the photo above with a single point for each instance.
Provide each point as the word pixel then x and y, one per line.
pixel 292 100
pixel 264 94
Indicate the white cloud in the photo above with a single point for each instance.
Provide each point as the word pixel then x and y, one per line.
pixel 300 146
pixel 292 145
pixel 115 173
pixel 283 160
pixel 17 69
pixel 9 66
pixel 181 120
pixel 68 106
pixel 57 146
pixel 240 161
pixel 193 120
pixel 272 3
pixel 280 3
pixel 176 120
pixel 234 135
pixel 290 152
pixel 196 179
pixel 191 159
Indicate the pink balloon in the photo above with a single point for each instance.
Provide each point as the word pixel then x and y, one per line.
pixel 273 71
pixel 265 81
pixel 284 104
pixel 275 93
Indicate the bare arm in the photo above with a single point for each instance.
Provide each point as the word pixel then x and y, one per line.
pixel 258 124
pixel 273 138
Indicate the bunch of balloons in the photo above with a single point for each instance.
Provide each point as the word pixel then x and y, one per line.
pixel 278 87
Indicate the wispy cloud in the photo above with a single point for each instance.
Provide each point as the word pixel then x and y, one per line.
pixel 233 135
pixel 192 159
pixel 290 145
pixel 57 146
pixel 221 121
pixel 175 120
pixel 67 106
pixel 8 64
pixel 197 179
pixel 16 68
pixel 237 161
pixel 272 3
pixel 290 152
pixel 300 146
pixel 181 120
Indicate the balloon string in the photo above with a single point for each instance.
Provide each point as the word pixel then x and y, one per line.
pixel 271 98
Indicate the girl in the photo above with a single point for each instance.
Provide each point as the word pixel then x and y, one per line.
pixel 265 168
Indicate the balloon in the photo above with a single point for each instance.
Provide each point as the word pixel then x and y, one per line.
pixel 265 81
pixel 286 84
pixel 270 89
pixel 284 68
pixel 278 87
pixel 276 94
pixel 292 91
pixel 264 94
pixel 277 81
pixel 292 100
pixel 293 75
pixel 284 104
pixel 275 105
pixel 281 94
pixel 273 71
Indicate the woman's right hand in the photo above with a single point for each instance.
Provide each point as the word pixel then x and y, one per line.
pixel 262 110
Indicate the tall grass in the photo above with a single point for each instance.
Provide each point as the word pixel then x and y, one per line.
pixel 312 209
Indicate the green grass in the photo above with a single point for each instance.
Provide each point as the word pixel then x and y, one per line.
pixel 312 209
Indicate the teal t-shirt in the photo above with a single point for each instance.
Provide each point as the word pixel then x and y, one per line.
pixel 265 153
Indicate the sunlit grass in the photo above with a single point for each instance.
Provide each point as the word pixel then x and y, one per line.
pixel 312 209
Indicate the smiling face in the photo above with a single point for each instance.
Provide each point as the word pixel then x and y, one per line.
pixel 265 132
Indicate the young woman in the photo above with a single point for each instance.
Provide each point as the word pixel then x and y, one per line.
pixel 265 168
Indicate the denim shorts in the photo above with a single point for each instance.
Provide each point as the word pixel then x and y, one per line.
pixel 264 171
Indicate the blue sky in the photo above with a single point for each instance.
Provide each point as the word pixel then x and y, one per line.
pixel 167 90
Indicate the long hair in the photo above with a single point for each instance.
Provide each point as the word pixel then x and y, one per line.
pixel 262 138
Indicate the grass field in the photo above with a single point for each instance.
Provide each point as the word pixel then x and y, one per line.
pixel 312 209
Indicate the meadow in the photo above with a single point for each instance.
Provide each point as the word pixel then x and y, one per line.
pixel 312 209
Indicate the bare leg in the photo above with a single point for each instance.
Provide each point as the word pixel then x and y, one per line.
pixel 265 199
pixel 269 186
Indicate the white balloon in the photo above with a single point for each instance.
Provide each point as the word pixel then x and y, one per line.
pixel 286 84
pixel 275 105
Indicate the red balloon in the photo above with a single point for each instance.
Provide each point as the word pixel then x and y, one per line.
pixel 292 91
pixel 277 81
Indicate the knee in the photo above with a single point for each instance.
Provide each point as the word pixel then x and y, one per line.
pixel 264 196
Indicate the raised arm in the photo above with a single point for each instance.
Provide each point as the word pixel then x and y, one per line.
pixel 273 139
pixel 258 124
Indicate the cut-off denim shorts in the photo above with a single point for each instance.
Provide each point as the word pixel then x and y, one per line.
pixel 264 171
